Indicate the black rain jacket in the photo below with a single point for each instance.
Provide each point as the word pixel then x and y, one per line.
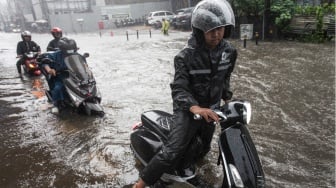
pixel 202 76
pixel 27 46
pixel 53 45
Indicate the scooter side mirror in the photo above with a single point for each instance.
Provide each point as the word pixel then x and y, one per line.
pixel 86 55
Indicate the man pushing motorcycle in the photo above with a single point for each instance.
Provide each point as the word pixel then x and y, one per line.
pixel 202 79
pixel 53 64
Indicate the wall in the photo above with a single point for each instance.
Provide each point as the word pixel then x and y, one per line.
pixel 69 23
pixel 137 10
pixel 134 11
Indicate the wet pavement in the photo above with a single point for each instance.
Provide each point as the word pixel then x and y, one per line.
pixel 290 86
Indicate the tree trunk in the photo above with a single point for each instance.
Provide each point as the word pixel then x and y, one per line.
pixel 268 30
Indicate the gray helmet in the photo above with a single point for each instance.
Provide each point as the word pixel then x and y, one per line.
pixel 211 14
pixel 26 34
pixel 67 45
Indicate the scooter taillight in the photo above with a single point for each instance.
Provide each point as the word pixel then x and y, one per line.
pixel 136 125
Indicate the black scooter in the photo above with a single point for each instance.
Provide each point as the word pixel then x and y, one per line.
pixel 237 154
pixel 81 90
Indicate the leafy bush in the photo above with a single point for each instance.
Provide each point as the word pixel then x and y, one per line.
pixel 286 9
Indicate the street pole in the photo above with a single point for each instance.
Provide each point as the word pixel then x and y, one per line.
pixel 263 26
pixel 32 9
pixel 19 13
pixel 45 10
pixel 266 22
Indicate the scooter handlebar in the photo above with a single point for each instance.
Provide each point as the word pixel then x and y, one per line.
pixel 234 111
pixel 221 115
pixel 197 117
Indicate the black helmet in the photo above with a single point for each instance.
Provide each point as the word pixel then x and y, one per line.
pixel 67 45
pixel 211 14
pixel 26 34
pixel 56 30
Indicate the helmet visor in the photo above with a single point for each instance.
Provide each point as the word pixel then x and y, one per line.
pixel 211 14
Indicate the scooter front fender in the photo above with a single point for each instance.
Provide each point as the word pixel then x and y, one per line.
pixel 94 106
pixel 241 163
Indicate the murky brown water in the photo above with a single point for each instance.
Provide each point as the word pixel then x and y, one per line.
pixel 290 86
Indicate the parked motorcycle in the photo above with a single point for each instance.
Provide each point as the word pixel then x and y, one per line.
pixel 30 65
pixel 82 92
pixel 237 153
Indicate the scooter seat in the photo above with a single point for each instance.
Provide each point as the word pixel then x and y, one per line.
pixel 157 121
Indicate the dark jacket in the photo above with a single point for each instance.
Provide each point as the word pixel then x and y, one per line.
pixel 24 47
pixel 57 61
pixel 53 45
pixel 202 77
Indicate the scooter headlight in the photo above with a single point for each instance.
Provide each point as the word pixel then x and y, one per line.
pixel 247 112
pixel 236 176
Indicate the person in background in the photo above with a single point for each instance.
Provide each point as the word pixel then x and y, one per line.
pixel 56 32
pixel 25 46
pixel 201 81
pixel 165 26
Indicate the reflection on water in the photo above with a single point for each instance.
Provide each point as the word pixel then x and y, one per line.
pixel 37 88
pixel 290 86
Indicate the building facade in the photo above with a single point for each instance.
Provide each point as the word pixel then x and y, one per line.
pixel 84 15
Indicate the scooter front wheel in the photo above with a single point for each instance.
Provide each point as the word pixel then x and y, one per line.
pixel 87 110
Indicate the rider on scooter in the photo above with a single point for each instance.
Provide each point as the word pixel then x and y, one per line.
pixel 57 34
pixel 202 79
pixel 54 63
pixel 25 46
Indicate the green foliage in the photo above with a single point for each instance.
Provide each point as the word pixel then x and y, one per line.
pixel 318 12
pixel 283 9
pixel 309 10
pixel 247 7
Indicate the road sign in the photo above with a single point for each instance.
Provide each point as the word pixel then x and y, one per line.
pixel 246 31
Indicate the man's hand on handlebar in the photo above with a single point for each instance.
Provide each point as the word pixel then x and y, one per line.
pixel 50 71
pixel 208 114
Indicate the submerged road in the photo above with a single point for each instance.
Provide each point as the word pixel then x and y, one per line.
pixel 290 86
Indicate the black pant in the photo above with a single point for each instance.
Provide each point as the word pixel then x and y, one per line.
pixel 183 131
pixel 18 65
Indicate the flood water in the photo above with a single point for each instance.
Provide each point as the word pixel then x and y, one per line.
pixel 290 85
